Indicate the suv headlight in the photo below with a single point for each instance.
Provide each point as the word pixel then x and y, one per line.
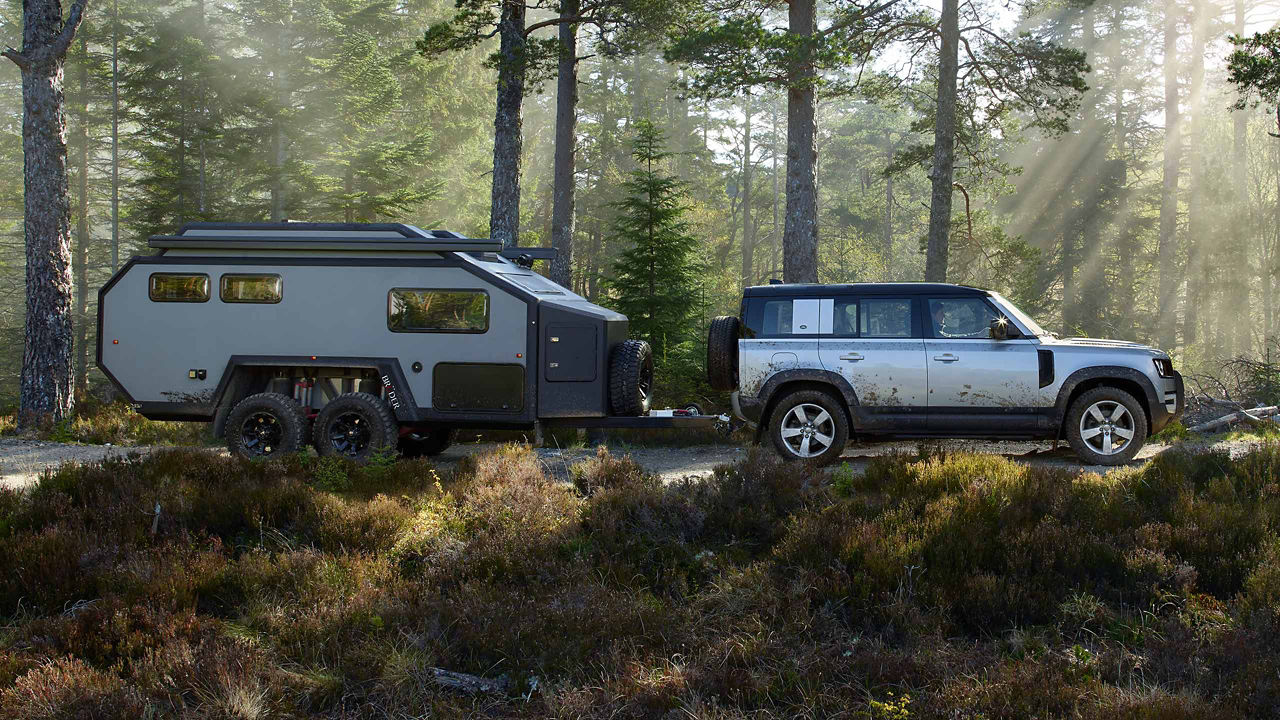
pixel 1164 366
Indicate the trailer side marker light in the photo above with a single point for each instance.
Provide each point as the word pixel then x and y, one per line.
pixel 115 342
pixel 519 355
pixel 313 357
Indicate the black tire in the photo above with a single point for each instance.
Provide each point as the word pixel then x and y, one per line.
pixel 426 442
pixel 630 378
pixel 722 353
pixel 354 426
pixel 266 425
pixel 1110 424
pixel 829 422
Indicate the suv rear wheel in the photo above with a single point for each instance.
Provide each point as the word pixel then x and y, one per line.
pixel 809 425
pixel 1106 426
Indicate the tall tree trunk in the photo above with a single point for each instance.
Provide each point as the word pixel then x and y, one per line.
pixel 564 192
pixel 504 217
pixel 284 100
pixel 944 146
pixel 1166 294
pixel 748 228
pixel 1196 295
pixel 46 358
pixel 1237 316
pixel 887 244
pixel 80 259
pixel 800 235
pixel 1127 242
pixel 115 135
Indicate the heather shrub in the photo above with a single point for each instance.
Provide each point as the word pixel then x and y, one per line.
pixel 68 688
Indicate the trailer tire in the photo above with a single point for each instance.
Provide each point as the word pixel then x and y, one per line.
pixel 427 443
pixel 266 425
pixel 722 353
pixel 354 426
pixel 630 378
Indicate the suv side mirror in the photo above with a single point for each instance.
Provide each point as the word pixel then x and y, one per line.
pixel 999 329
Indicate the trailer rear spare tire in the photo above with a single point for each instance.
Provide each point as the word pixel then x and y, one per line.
pixel 266 425
pixel 630 378
pixel 355 426
pixel 722 353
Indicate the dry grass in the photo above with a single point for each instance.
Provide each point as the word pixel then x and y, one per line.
pixel 936 586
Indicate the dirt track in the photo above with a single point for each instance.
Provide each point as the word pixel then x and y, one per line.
pixel 22 461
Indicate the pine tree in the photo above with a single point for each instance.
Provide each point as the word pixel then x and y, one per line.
pixel 655 278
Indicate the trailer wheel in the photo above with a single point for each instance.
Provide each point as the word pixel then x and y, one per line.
pixel 722 352
pixel 355 426
pixel 630 378
pixel 266 425
pixel 426 442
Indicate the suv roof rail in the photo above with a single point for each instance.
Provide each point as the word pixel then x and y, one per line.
pixel 320 236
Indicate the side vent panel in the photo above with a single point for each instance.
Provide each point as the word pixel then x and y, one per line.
pixel 1046 367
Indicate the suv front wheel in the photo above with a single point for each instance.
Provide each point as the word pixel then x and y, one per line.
pixel 1106 426
pixel 809 425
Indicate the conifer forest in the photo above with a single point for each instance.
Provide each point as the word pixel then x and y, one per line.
pixel 1112 167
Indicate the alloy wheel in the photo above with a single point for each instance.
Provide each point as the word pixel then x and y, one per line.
pixel 1107 427
pixel 349 434
pixel 808 430
pixel 261 434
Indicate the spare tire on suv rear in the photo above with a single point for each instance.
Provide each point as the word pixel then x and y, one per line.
pixel 630 378
pixel 722 353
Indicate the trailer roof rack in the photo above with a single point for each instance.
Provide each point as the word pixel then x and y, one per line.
pixel 320 236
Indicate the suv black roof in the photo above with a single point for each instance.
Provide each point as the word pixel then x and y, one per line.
pixel 909 288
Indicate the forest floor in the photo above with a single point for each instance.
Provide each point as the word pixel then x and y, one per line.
pixel 22 461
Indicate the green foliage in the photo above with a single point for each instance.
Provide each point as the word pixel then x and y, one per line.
pixel 656 277
pixel 1254 66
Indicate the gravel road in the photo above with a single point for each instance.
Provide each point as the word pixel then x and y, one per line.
pixel 22 461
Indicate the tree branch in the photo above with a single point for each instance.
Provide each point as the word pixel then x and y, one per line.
pixel 57 48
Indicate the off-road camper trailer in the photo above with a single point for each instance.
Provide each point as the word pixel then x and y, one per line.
pixel 353 336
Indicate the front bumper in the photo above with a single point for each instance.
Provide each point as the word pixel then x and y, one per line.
pixel 1171 402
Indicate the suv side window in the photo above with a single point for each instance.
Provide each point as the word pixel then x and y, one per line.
pixel 844 322
pixel 961 318
pixel 885 318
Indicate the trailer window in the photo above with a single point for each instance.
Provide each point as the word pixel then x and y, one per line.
pixel 438 310
pixel 250 288
pixel 179 287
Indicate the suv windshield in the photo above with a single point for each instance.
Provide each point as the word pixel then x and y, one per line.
pixel 1020 316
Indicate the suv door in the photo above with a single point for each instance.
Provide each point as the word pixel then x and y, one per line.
pixel 874 342
pixel 977 384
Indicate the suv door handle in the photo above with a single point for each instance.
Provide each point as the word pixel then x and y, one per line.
pixel 852 357
pixel 946 357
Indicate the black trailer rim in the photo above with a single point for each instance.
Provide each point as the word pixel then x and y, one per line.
pixel 645 385
pixel 261 434
pixel 349 433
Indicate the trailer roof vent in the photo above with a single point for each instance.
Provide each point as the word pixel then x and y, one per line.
pixel 320 236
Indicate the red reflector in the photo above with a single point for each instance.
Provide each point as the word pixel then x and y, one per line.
pixel 115 342
pixel 313 357
pixel 519 355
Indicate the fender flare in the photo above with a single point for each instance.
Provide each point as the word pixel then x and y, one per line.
pixel 814 375
pixel 1106 372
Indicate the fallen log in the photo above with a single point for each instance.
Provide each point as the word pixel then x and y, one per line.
pixel 469 684
pixel 1253 415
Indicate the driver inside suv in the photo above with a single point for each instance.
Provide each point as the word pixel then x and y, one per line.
pixel 961 318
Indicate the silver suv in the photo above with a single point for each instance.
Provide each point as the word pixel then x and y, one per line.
pixel 812 365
